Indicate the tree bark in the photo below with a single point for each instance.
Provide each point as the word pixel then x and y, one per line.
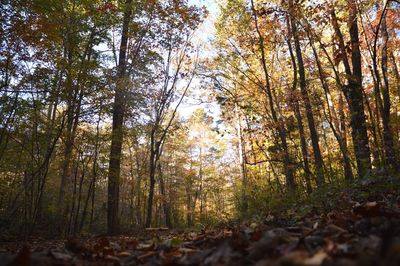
pixel 306 99
pixel 387 132
pixel 165 204
pixel 297 113
pixel 353 91
pixel 396 72
pixel 117 128
pixel 152 173
pixel 356 98
pixel 241 149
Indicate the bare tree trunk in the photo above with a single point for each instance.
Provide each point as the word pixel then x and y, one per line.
pixel 201 195
pixel 306 99
pixel 348 173
pixel 396 72
pixel 189 198
pixel 297 113
pixel 354 92
pixel 117 128
pixel 69 139
pixel 241 149
pixel 152 173
pixel 387 132
pixel 165 203
pixel 138 192
pixel 356 101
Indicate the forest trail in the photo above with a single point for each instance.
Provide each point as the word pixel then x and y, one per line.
pixel 353 233
pixel 262 132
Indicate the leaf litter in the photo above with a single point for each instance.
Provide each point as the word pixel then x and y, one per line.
pixel 353 233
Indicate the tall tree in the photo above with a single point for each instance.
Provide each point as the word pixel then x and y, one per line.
pixel 353 89
pixel 387 131
pixel 288 166
pixel 297 113
pixel 306 99
pixel 162 118
pixel 117 126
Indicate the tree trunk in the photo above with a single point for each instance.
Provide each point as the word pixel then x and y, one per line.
pixel 356 99
pixel 297 113
pixel 201 195
pixel 348 173
pixel 287 162
pixel 387 132
pixel 354 92
pixel 306 99
pixel 241 149
pixel 152 173
pixel 117 128
pixel 396 72
pixel 333 118
pixel 69 138
pixel 165 203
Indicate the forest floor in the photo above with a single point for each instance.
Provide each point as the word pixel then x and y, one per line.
pixel 361 228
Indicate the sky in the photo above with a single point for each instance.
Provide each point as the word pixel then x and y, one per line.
pixel 203 36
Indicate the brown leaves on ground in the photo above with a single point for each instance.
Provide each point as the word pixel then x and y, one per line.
pixel 355 233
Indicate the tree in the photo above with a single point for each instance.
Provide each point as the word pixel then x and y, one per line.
pixel 303 88
pixel 290 182
pixel 353 90
pixel 117 126
pixel 162 118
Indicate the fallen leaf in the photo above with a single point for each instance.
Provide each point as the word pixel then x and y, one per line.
pixel 61 256
pixel 112 259
pixel 123 254
pixel 145 247
pixel 146 255
pixel 317 259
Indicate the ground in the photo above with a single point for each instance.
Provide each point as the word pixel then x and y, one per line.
pixel 361 228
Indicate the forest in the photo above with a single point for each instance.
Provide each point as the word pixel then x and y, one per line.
pixel 200 132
